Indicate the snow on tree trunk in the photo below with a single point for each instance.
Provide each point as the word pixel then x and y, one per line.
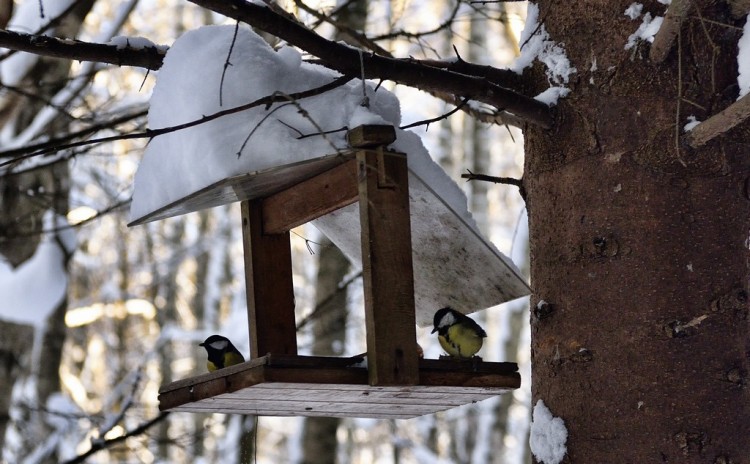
pixel 639 246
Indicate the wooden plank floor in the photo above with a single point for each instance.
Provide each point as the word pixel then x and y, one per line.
pixel 318 386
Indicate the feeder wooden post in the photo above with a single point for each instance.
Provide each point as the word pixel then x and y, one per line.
pixel 387 268
pixel 270 293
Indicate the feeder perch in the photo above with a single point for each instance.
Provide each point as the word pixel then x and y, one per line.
pixel 395 383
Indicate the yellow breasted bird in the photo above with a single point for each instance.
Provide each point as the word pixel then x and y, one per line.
pixel 459 335
pixel 221 353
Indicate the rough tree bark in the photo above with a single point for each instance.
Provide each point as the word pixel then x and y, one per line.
pixel 640 246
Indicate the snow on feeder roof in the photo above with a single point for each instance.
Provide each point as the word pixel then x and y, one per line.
pixel 373 190
pixel 252 152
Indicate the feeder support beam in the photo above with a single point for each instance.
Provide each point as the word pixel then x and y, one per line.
pixel 387 269
pixel 270 292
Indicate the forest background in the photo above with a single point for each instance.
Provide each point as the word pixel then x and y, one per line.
pixel 114 312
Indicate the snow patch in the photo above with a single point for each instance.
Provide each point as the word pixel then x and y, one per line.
pixel 122 42
pixel 743 60
pixel 646 31
pixel 548 435
pixel 537 45
pixel 33 290
pixel 634 10
pixel 212 151
pixel 552 95
pixel 692 122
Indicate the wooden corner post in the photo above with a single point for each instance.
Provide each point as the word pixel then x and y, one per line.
pixel 270 292
pixel 387 268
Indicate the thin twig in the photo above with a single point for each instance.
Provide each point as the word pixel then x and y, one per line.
pixel 718 23
pixel 677 128
pixel 257 126
pixel 292 100
pixel 73 135
pixel 314 134
pixel 53 230
pixel 427 122
pixel 151 133
pixel 227 63
pixel 99 445
pixel 715 51
pixel 448 22
pixel 497 180
pixel 324 302
pixel 357 36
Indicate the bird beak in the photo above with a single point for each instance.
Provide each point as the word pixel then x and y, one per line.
pixel 434 330
pixel 201 344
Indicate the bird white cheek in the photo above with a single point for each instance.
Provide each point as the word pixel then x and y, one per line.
pixel 220 345
pixel 447 320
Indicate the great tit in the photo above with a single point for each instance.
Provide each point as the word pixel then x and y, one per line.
pixel 221 353
pixel 458 334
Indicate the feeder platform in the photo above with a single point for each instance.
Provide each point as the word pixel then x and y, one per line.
pixel 275 385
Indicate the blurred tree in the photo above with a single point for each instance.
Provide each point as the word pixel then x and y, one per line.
pixel 27 195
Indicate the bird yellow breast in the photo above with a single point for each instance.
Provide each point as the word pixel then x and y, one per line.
pixel 231 358
pixel 461 342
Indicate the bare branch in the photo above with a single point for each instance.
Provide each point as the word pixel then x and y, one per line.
pixel 504 77
pixel 438 118
pixel 461 75
pixel 670 27
pixel 54 230
pixel 497 180
pixel 322 304
pixel 360 38
pixel 719 123
pixel 149 58
pixel 99 445
pixel 346 60
pixel 227 63
pixel 739 7
pixel 58 141
pixel 416 35
pixel 150 133
pixel 52 23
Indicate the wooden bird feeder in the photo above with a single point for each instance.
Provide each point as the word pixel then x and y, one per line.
pixel 276 381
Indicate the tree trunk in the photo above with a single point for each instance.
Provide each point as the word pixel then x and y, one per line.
pixel 319 442
pixel 25 199
pixel 15 352
pixel 640 246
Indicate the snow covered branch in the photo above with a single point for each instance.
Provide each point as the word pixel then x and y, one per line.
pixel 147 57
pixel 151 133
pixel 347 60
pixel 56 142
pixel 719 123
